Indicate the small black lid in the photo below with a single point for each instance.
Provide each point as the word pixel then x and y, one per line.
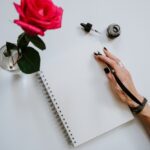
pixel 87 27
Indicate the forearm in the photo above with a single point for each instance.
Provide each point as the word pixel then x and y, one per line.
pixel 144 116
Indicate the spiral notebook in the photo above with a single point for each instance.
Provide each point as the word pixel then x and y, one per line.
pixel 75 83
pixel 80 93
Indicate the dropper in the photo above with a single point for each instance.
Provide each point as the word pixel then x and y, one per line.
pixel 88 27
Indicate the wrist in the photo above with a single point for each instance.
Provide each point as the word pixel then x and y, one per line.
pixel 132 104
pixel 140 107
pixel 146 111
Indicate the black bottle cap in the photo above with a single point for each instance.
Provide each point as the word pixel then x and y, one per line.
pixel 87 27
pixel 113 31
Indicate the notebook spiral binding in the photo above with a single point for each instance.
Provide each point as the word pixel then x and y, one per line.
pixel 56 109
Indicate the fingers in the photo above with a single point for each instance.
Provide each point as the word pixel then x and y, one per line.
pixel 115 86
pixel 110 55
pixel 102 58
pixel 112 62
pixel 122 96
pixel 108 58
pixel 110 77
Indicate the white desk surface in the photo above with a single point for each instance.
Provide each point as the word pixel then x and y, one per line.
pixel 27 122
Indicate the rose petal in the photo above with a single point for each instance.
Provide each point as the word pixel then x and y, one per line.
pixel 32 10
pixel 23 4
pixel 51 24
pixel 57 21
pixel 18 8
pixel 30 29
pixel 39 23
pixel 52 10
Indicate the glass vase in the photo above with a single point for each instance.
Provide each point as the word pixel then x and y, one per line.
pixel 9 63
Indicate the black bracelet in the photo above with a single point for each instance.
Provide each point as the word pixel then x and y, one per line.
pixel 139 108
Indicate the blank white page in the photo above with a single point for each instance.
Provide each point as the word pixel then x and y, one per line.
pixel 83 94
pixel 78 82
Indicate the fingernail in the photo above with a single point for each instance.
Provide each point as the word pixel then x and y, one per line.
pixel 97 53
pixel 105 48
pixel 106 70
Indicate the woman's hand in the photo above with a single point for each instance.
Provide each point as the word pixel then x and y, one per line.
pixel 125 77
pixel 122 73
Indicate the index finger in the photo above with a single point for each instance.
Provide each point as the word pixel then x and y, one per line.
pixel 110 55
pixel 106 60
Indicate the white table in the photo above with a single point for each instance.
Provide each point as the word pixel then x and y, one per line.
pixel 27 122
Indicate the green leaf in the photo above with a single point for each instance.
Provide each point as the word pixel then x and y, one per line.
pixel 22 41
pixel 37 41
pixel 30 61
pixel 20 37
pixel 10 46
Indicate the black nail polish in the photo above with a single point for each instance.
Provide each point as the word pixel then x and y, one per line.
pixel 106 70
pixel 99 53
pixel 95 53
pixel 105 48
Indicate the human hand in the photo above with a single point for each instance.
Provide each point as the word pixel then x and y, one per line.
pixel 122 73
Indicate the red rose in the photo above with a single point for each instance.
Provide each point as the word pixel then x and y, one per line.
pixel 37 16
